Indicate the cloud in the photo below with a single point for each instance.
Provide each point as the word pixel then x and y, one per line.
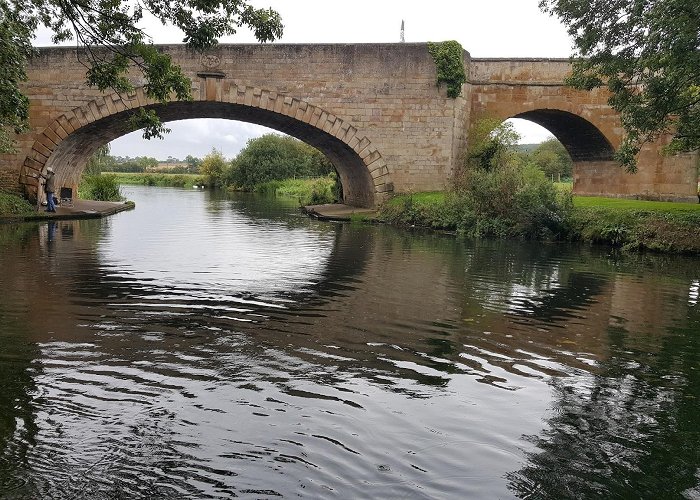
pixel 191 137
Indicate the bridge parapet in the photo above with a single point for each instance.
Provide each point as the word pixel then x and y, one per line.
pixel 519 71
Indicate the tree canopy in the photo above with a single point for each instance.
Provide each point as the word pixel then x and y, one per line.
pixel 111 41
pixel 647 53
pixel 552 158
pixel 276 157
pixel 213 167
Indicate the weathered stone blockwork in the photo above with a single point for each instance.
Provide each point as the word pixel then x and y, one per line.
pixel 532 89
pixel 373 109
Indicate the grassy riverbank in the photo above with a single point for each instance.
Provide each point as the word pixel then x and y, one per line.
pixel 635 224
pixel 159 179
pixel 313 191
pixel 629 224
pixel 12 205
pixel 316 191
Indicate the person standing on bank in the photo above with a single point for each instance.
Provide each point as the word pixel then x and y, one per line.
pixel 49 189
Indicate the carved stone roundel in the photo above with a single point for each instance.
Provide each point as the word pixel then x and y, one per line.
pixel 211 61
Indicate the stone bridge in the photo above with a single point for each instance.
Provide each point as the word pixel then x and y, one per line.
pixel 374 109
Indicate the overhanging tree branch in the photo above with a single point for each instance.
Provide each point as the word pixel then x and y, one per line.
pixel 111 25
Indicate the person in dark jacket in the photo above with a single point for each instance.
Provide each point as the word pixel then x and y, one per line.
pixel 50 189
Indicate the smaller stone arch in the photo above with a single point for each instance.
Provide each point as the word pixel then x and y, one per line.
pixel 68 142
pixel 583 140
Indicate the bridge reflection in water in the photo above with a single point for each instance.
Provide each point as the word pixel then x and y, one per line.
pixel 192 359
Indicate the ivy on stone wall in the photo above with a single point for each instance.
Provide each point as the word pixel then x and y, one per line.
pixel 449 59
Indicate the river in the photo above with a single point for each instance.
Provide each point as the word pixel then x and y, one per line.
pixel 211 346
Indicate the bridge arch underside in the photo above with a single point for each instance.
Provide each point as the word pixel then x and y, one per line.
pixel 583 141
pixel 71 155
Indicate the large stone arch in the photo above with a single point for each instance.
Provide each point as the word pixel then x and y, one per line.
pixel 68 142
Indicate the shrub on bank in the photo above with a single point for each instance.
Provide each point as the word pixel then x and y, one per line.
pixel 316 191
pixel 434 210
pixel 496 193
pixel 99 187
pixel 12 205
pixel 513 202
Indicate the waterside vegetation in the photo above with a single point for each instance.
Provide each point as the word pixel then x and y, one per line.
pixel 272 164
pixel 99 187
pixel 497 192
pixel 500 193
pixel 626 224
pixel 312 191
pixel 12 205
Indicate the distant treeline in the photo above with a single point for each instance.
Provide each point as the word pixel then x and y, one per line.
pixel 102 161
pixel 268 158
pixel 271 157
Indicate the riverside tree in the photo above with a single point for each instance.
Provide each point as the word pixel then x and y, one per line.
pixel 214 167
pixel 500 193
pixel 276 157
pixel 111 41
pixel 552 158
pixel 647 53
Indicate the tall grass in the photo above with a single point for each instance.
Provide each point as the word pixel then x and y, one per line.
pixel 316 191
pixel 99 187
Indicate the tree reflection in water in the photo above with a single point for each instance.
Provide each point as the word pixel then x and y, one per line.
pixel 139 374
pixel 633 428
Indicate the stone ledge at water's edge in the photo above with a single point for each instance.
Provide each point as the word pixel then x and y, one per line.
pixel 339 212
pixel 79 209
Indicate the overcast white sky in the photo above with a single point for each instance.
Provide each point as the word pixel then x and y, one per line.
pixel 485 28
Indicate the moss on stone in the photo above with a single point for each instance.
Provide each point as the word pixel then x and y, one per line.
pixel 449 59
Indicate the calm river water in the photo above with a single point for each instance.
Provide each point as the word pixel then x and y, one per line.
pixel 204 346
